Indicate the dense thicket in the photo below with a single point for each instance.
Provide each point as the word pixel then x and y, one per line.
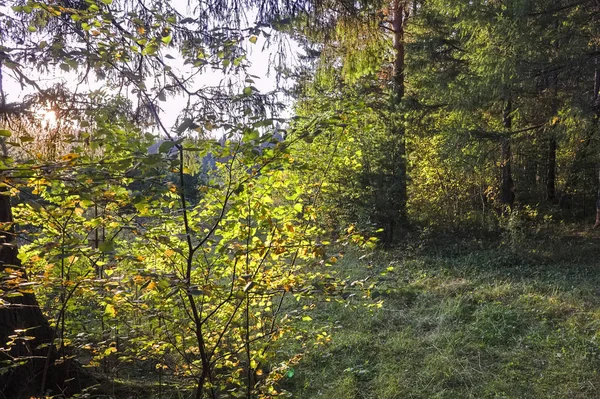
pixel 500 109
pixel 179 257
pixel 179 253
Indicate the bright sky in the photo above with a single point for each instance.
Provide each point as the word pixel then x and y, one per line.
pixel 259 56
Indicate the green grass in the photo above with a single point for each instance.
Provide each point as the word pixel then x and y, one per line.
pixel 464 319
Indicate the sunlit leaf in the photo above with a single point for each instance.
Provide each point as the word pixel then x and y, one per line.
pixel 109 311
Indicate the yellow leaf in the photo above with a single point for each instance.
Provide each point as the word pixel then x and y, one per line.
pixel 110 310
pixel 70 157
pixel 110 350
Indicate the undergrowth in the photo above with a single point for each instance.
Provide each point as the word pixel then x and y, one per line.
pixel 463 318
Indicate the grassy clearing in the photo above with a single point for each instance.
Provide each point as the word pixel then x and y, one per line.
pixel 464 318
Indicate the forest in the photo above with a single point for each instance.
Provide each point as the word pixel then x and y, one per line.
pixel 299 199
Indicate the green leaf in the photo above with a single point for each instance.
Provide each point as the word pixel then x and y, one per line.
pixel 10 64
pixel 166 146
pixel 248 90
pixel 110 311
pixel 110 350
pixel 185 125
pixel 253 39
pixel 251 135
pixel 150 49
pixel 107 2
pixel 107 246
pixel 298 207
pixel 5 133
pixel 167 39
pixel 194 291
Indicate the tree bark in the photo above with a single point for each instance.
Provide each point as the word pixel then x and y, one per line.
pixel 551 176
pixel 596 105
pixel 598 203
pixel 507 185
pixel 28 356
pixel 581 153
pixel 552 143
pixel 398 198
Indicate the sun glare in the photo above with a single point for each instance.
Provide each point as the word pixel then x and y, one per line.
pixel 47 116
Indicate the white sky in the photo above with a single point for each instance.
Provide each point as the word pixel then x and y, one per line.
pixel 259 55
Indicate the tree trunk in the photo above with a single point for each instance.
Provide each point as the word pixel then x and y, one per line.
pixel 398 198
pixel 596 104
pixel 507 185
pixel 551 176
pixel 552 144
pixel 598 203
pixel 28 358
pixel 581 153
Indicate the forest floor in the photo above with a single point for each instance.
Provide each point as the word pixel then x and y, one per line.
pixel 516 316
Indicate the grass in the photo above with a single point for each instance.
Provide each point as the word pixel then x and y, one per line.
pixel 464 318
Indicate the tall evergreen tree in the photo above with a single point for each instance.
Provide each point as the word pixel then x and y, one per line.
pixel 511 73
pixel 363 47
